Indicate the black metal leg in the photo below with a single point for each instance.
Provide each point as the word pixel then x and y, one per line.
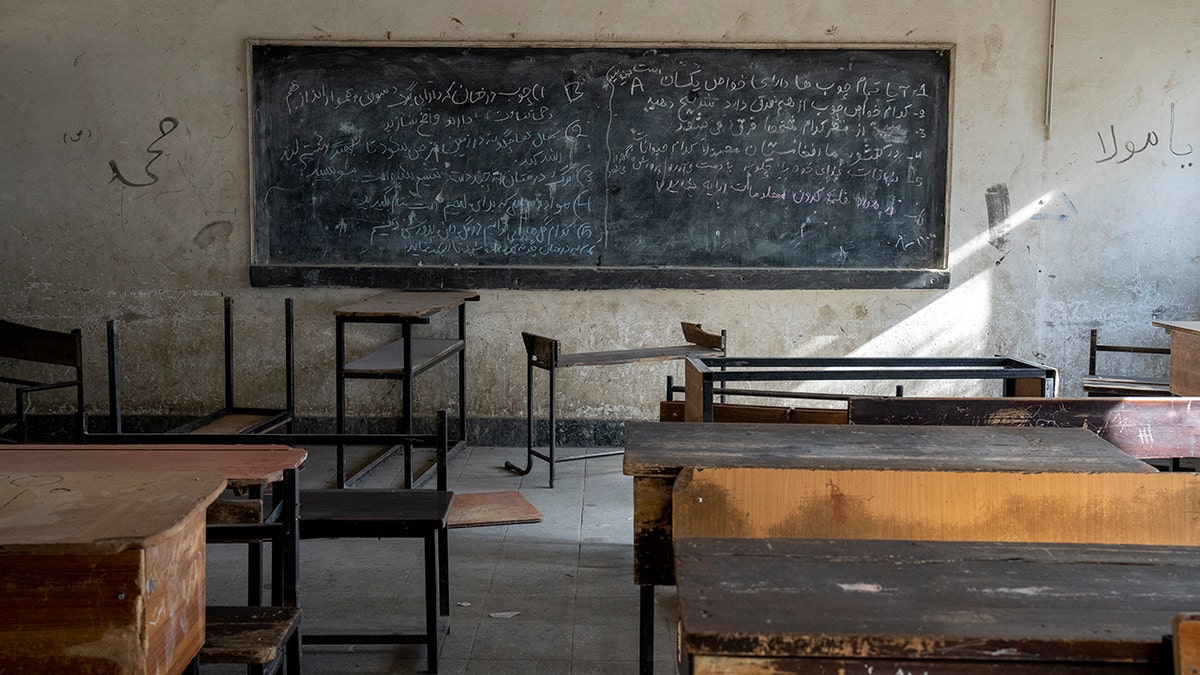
pixel 254 561
pixel 340 349
pixel 553 426
pixel 528 425
pixel 407 404
pixel 444 568
pixel 646 631
pixel 431 601
pixel 462 373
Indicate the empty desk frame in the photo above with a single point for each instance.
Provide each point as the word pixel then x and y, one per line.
pixel 230 418
pixel 546 354
pixel 403 359
pixel 1095 384
pixel 706 377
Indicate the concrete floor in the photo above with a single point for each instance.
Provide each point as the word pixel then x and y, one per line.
pixel 565 584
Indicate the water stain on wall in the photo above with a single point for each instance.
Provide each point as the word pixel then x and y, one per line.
pixel 993 44
pixel 998 209
pixel 211 233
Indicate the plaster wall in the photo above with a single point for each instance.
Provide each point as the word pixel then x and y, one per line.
pixel 124 194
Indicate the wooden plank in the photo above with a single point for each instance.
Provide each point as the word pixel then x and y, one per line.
pixel 1142 427
pixel 248 635
pixel 674 411
pixel 234 423
pixel 663 449
pixel 240 465
pixel 694 334
pixel 173 604
pixel 1186 643
pixel 1185 363
pixel 616 357
pixel 706 664
pixel 234 511
pixel 78 510
pixel 542 350
pixel 936 607
pixel 410 304
pixel 1106 508
pixel 693 393
pixel 484 509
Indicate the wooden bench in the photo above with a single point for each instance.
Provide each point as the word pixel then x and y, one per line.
pixel 1146 428
pixel 31 345
pixel 1095 384
pixel 907 570
pixel 546 354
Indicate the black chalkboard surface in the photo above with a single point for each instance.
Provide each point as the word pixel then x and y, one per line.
pixel 538 167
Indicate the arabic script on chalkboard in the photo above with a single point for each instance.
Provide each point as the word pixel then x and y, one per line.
pixel 692 158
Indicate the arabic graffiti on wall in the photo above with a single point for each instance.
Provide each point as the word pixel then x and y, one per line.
pixel 1118 152
pixel 165 126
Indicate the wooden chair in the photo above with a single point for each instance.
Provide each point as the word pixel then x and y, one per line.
pixel 546 354
pixel 1095 384
pixel 264 638
pixel 230 418
pixel 51 348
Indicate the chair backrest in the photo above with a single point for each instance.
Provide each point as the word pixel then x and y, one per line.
pixel 1095 346
pixel 38 345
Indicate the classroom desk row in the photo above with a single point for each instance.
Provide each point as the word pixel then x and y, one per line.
pixel 102 550
pixel 858 549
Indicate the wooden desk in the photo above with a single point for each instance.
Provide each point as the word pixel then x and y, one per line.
pixel 847 606
pixel 1184 377
pixel 102 571
pixel 656 454
pixel 241 466
pixel 403 359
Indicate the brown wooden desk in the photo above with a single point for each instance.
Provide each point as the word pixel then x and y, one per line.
pixel 862 606
pixel 656 454
pixel 102 571
pixel 240 466
pixel 403 359
pixel 1184 377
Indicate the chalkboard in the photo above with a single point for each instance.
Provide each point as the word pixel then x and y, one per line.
pixel 542 167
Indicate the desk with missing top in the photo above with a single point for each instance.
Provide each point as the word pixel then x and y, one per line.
pixel 403 359
pixel 657 454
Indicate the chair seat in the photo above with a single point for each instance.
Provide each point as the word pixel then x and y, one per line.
pixel 344 513
pixel 252 635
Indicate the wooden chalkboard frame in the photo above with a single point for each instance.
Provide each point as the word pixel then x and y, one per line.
pixel 266 272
